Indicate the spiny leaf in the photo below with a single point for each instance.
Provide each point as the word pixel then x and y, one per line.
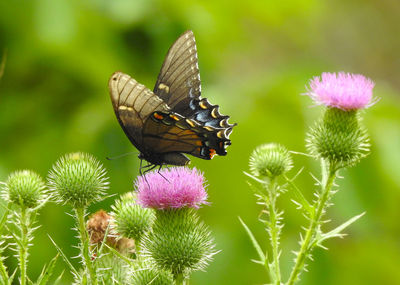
pixel 47 271
pixel 301 199
pixel 3 63
pixel 337 231
pixel 254 241
pixel 66 260
pixel 124 258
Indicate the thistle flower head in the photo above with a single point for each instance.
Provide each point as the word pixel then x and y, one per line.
pixel 78 179
pixel 24 188
pixel 270 160
pixel 176 187
pixel 345 91
pixel 131 220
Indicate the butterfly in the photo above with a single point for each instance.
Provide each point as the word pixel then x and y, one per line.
pixel 173 119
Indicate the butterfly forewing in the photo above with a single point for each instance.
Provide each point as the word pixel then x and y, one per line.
pixel 179 79
pixel 133 103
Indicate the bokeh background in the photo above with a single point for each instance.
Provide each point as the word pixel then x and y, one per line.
pixel 255 59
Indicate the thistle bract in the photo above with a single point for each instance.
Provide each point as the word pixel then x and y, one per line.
pixel 179 242
pixel 78 179
pixel 24 188
pixel 143 273
pixel 270 160
pixel 339 138
pixel 131 220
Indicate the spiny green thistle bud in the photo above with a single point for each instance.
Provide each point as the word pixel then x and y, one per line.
pixel 131 220
pixel 339 138
pixel 270 160
pixel 144 273
pixel 24 188
pixel 78 179
pixel 179 242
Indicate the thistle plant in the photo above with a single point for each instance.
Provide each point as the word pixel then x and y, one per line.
pixel 131 220
pixel 179 243
pixel 79 179
pixel 337 140
pixel 25 194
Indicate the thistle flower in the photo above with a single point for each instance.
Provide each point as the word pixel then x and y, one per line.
pixel 178 242
pixel 78 179
pixel 131 220
pixel 344 91
pixel 339 137
pixel 24 188
pixel 176 187
pixel 270 160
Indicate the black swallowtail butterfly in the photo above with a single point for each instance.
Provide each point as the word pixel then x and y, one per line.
pixel 173 119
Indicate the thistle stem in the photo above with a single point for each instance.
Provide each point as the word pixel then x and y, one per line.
pixel 84 237
pixel 328 178
pixel 274 232
pixel 24 243
pixel 180 279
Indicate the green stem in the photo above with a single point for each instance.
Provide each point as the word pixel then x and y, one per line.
pixel 3 268
pixel 328 178
pixel 23 246
pixel 80 216
pixel 274 232
pixel 180 279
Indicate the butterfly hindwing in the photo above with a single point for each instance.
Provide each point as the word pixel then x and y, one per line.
pixel 171 132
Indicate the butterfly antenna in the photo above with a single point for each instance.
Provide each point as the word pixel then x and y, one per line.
pixel 121 155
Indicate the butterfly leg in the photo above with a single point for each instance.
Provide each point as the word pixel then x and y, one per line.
pixel 161 174
pixel 150 168
pixel 143 167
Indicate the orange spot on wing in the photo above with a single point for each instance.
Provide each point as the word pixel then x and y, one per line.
pixel 158 116
pixel 174 117
pixel 212 152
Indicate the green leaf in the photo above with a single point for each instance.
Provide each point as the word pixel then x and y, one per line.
pixel 254 178
pixel 337 231
pixel 59 278
pixel 47 271
pixel 72 268
pixel 124 258
pixel 11 279
pixel 254 241
pixel 3 272
pixel 3 220
pixel 300 197
pixel 3 63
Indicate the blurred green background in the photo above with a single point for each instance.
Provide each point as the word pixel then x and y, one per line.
pixel 255 59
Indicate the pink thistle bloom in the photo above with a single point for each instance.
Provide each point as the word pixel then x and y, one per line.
pixel 344 91
pixel 177 187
